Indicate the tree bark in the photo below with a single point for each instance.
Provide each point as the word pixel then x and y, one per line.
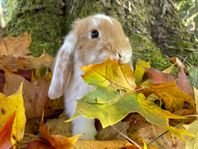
pixel 153 26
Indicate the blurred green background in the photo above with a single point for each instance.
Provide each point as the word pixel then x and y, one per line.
pixel 188 10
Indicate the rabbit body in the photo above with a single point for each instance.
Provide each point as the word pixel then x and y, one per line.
pixel 91 40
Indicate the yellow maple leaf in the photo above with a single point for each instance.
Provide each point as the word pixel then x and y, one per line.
pixel 9 105
pixel 172 96
pixel 110 73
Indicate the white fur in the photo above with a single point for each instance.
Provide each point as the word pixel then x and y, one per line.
pixel 62 61
pixel 97 19
pixel 81 125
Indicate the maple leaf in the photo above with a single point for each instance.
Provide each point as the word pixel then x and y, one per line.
pixel 5 133
pixel 15 46
pixel 158 77
pixel 172 96
pixel 110 74
pixel 10 104
pixel 110 107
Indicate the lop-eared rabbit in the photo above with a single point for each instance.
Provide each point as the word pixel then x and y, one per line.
pixel 91 40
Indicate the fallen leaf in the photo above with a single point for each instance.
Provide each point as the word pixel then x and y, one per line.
pixel 158 77
pixel 9 105
pixel 110 107
pixel 184 84
pixel 109 133
pixel 15 46
pixel 140 70
pixel 58 125
pixel 14 64
pixel 5 133
pixel 172 96
pixel 57 141
pixel 35 93
pixel 110 73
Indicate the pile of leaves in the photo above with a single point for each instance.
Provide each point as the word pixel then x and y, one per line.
pixel 126 103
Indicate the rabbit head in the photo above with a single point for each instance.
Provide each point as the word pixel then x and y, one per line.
pixel 91 40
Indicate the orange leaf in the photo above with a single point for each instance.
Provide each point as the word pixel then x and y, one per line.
pixel 57 141
pixel 5 133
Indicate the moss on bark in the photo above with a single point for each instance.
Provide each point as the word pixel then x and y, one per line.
pixel 153 26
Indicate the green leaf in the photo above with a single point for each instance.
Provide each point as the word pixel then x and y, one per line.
pixel 110 107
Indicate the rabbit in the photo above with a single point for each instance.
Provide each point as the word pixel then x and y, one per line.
pixel 91 41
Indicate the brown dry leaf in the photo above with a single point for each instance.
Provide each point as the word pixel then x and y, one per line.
pixel 35 94
pixel 141 131
pixel 45 60
pixel 59 126
pixel 110 133
pixel 15 46
pixel 14 64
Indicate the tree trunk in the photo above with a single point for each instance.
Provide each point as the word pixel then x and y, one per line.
pixel 152 25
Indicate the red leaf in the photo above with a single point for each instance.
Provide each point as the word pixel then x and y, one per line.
pixel 183 83
pixel 158 77
pixel 5 133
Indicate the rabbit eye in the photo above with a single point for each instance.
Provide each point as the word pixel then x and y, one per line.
pixel 94 34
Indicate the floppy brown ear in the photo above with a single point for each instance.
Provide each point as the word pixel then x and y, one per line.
pixel 63 67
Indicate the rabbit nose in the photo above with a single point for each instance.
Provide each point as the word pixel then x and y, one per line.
pixel 124 57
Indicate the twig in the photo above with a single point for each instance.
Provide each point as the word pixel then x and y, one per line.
pixel 129 139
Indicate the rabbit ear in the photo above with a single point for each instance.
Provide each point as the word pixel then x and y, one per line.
pixel 63 67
